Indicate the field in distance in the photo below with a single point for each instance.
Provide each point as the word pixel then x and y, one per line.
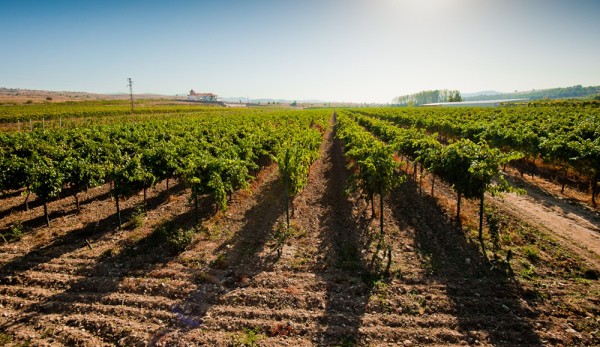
pixel 169 227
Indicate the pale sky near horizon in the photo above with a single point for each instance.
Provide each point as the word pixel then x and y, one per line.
pixel 334 50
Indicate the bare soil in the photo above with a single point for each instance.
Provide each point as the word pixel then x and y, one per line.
pixel 28 96
pixel 547 180
pixel 84 282
pixel 575 226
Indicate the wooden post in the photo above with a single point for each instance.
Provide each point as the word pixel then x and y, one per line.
pixel 595 187
pixel 77 202
pixel 197 208
pixel 481 224
pixel 421 180
pixel 389 262
pixel 116 191
pixel 381 210
pixel 458 207
pixel 46 212
pixel 481 217
pixel 27 200
pixel 415 170
pixel 287 200
pixel 372 205
pixel 564 181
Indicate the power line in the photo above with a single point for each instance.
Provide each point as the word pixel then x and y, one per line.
pixel 130 85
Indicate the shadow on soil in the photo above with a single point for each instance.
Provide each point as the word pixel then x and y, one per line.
pixel 557 175
pixel 136 258
pixel 11 194
pixel 487 303
pixel 238 260
pixel 73 240
pixel 566 206
pixel 345 271
pixel 39 220
pixel 32 202
pixel 241 254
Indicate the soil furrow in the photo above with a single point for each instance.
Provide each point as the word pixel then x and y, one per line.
pixel 82 282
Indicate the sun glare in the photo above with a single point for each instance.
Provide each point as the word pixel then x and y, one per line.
pixel 422 5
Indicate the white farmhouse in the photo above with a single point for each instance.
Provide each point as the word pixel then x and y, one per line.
pixel 203 97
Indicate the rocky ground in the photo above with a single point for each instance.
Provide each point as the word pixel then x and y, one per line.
pixel 83 281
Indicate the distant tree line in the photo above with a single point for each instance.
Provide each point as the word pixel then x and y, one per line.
pixel 428 97
pixel 577 91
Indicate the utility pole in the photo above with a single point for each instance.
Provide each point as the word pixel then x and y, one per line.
pixel 130 85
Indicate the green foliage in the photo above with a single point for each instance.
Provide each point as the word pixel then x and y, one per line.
pixel 137 218
pixel 14 233
pixel 5 338
pixel 174 239
pixel 207 175
pixel 13 172
pixel 229 175
pixel 45 178
pixel 294 155
pixel 294 158
pixel 220 262
pixel 132 177
pixel 527 270
pixel 577 91
pixel 375 170
pixel 194 171
pixel 81 174
pixel 494 228
pixel 564 135
pixel 429 96
pixel 212 154
pixel 280 237
pixel 454 96
pixel 471 167
pixel 93 109
pixel 249 338
pixel 162 160
pixel 346 341
pixel 531 253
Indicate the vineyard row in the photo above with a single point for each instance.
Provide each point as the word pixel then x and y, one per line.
pixel 565 137
pixel 212 155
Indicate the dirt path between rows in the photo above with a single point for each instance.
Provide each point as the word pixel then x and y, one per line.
pixel 576 228
pixel 230 288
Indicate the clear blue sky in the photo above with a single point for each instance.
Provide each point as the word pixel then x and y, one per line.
pixel 336 50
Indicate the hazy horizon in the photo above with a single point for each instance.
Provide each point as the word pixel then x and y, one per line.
pixel 334 50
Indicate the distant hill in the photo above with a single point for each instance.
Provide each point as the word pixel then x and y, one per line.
pixel 264 101
pixel 577 91
pixel 484 92
pixel 18 95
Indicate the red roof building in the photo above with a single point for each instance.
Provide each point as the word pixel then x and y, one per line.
pixel 205 97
